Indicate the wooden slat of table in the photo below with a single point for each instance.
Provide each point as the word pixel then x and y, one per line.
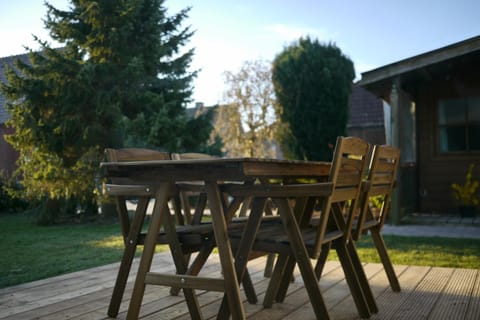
pixel 216 169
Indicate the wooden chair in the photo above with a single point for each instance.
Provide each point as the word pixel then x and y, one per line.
pixel 379 183
pixel 306 233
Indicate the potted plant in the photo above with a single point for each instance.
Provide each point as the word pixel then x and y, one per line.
pixel 465 194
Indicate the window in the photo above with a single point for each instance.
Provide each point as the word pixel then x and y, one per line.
pixel 459 124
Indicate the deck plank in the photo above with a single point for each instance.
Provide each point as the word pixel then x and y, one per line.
pixel 389 302
pixel 474 303
pixel 427 293
pixel 453 304
pixel 419 303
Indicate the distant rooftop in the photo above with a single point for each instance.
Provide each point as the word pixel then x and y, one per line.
pixel 365 109
pixel 4 116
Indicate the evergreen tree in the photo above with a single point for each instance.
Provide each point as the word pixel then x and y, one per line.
pixel 312 83
pixel 121 78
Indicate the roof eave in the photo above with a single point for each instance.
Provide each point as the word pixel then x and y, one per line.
pixel 410 64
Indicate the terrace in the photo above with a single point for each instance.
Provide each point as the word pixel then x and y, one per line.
pixel 427 293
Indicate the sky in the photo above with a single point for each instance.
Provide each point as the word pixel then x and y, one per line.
pixel 372 33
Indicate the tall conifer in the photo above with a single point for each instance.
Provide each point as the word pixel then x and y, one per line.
pixel 120 78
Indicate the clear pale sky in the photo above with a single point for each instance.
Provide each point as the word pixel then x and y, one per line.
pixel 372 33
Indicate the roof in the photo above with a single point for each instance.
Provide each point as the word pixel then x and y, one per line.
pixel 366 110
pixel 4 116
pixel 424 66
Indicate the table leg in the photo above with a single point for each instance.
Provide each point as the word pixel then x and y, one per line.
pixel 181 262
pixel 161 200
pixel 232 290
pixel 246 243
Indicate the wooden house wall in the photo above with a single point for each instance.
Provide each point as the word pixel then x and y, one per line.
pixel 436 170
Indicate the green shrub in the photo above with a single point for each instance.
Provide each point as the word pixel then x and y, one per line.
pixel 10 199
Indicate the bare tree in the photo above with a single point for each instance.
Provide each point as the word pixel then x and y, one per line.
pixel 247 121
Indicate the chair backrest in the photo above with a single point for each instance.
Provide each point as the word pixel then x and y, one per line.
pixel 192 190
pixel 120 187
pixel 135 154
pixel 191 155
pixel 380 182
pixel 347 172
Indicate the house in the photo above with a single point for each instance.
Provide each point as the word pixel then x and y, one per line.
pixel 8 155
pixel 435 120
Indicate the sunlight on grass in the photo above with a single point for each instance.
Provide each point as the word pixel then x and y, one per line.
pixel 115 242
pixel 435 252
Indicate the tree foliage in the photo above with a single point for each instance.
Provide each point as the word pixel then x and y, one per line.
pixel 247 122
pixel 120 79
pixel 312 83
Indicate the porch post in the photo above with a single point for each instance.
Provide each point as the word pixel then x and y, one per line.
pixel 403 137
pixel 395 141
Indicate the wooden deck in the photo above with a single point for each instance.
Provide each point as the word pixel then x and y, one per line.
pixel 427 293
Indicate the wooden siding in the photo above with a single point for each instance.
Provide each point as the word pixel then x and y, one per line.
pixel 427 293
pixel 437 171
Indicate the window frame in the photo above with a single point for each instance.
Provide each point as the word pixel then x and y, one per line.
pixel 467 124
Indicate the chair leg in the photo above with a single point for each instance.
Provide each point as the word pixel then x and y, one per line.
pixel 362 277
pixel 128 255
pixel 269 265
pixel 352 280
pixel 387 263
pixel 274 283
pixel 303 260
pixel 322 260
pixel 285 281
pixel 121 281
pixel 270 257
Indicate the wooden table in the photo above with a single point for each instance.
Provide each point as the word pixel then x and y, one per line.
pixel 163 175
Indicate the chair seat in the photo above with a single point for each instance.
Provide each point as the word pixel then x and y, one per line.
pixel 192 237
pixel 367 225
pixel 271 237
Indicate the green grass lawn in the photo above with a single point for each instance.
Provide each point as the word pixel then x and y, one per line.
pixel 30 252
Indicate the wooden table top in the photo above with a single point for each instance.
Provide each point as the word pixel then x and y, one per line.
pixel 233 169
